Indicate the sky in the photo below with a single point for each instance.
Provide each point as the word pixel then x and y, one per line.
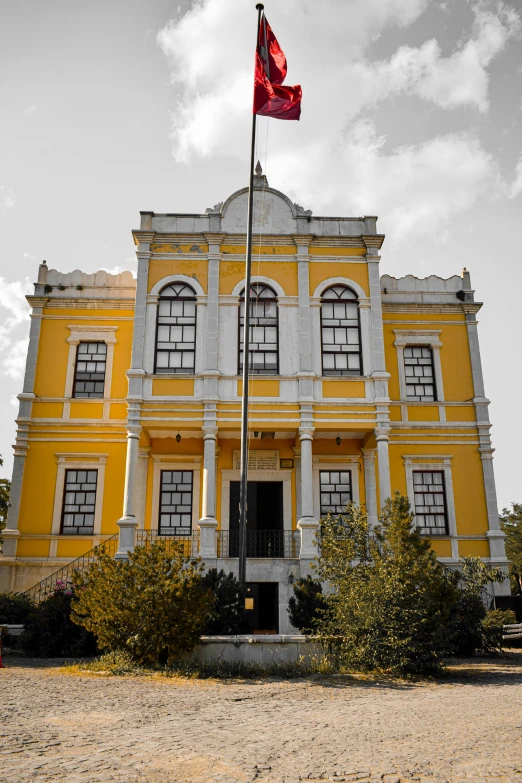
pixel 412 111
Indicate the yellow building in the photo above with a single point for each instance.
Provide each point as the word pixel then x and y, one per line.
pixel 361 385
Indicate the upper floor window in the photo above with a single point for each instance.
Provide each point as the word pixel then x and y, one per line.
pixel 79 502
pixel 336 491
pixel 340 332
pixel 418 368
pixel 176 331
pixel 431 516
pixel 264 347
pixel 89 372
pixel 175 511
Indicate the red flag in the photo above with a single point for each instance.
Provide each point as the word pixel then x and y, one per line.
pixel 271 99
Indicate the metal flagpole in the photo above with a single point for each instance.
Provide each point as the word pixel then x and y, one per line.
pixel 243 491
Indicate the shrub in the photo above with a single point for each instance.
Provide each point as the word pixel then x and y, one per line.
pixel 153 605
pixel 14 608
pixel 464 635
pixel 390 597
pixel 227 615
pixel 49 631
pixel 306 606
pixel 492 629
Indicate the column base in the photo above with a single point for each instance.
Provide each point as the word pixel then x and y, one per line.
pixel 127 541
pixel 309 546
pixel 10 542
pixel 497 548
pixel 207 538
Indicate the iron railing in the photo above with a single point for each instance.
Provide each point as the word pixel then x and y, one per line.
pixel 64 575
pixel 190 543
pixel 260 543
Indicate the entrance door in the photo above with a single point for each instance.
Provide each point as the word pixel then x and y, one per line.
pixel 265 537
pixel 262 607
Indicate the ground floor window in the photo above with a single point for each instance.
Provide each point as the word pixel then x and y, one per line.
pixel 175 510
pixel 79 502
pixel 336 491
pixel 431 515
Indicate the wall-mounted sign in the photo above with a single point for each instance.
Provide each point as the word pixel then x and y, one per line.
pixel 286 463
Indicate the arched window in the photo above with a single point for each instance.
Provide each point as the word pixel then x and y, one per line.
pixel 340 332
pixel 176 330
pixel 264 347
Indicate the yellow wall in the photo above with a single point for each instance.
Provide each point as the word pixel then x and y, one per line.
pixel 233 272
pixel 196 268
pixel 322 271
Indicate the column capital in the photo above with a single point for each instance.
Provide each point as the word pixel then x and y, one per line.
pixel 306 433
pixel 210 433
pixel 369 453
pixel 381 434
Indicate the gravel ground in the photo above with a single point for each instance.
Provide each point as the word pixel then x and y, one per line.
pixel 66 728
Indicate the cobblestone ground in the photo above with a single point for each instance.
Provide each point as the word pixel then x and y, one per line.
pixel 62 728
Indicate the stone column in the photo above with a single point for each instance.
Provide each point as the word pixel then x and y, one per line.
pixel 306 372
pixel 208 522
pixel 370 484
pixel 11 534
pixel 384 466
pixel 128 522
pixel 307 524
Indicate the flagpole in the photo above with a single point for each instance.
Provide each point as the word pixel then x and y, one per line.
pixel 243 490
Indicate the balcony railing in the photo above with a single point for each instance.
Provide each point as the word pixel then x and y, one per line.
pixel 190 543
pixel 260 543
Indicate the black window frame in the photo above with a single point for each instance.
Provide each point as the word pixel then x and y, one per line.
pixel 425 530
pixel 88 395
pixel 341 506
pixel 162 298
pixel 84 491
pixel 170 530
pixel 328 372
pixel 413 398
pixel 253 370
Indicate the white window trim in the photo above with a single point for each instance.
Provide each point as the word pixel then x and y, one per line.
pixel 414 462
pixel 83 334
pixel 151 318
pixel 78 462
pixel 351 465
pixel 160 463
pixel 257 475
pixel 419 337
pixel 364 323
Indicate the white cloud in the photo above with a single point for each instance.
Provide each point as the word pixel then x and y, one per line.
pixel 13 348
pixel 419 188
pixel 516 186
pixel 7 197
pixel 30 110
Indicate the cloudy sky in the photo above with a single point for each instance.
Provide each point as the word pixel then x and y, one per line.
pixel 412 110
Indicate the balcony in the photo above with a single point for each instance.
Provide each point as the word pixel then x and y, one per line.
pixel 260 543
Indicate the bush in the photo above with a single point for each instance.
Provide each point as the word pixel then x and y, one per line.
pixel 390 597
pixel 153 605
pixel 492 629
pixel 227 616
pixel 14 608
pixel 464 634
pixel 49 631
pixel 306 606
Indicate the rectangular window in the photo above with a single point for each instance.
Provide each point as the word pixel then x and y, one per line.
pixel 175 512
pixel 89 374
pixel 418 367
pixel 431 515
pixel 79 502
pixel 336 491
pixel 176 336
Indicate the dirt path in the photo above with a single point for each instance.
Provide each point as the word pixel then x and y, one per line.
pixel 62 728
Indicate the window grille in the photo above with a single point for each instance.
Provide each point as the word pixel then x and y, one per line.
pixel 79 502
pixel 336 491
pixel 89 373
pixel 340 332
pixel 176 330
pixel 264 343
pixel 418 368
pixel 431 515
pixel 175 512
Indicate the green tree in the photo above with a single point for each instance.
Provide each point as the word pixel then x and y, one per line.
pixel 390 598
pixel 227 616
pixel 511 523
pixel 5 489
pixel 153 605
pixel 307 605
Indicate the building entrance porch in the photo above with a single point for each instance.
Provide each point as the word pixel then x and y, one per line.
pixel 265 531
